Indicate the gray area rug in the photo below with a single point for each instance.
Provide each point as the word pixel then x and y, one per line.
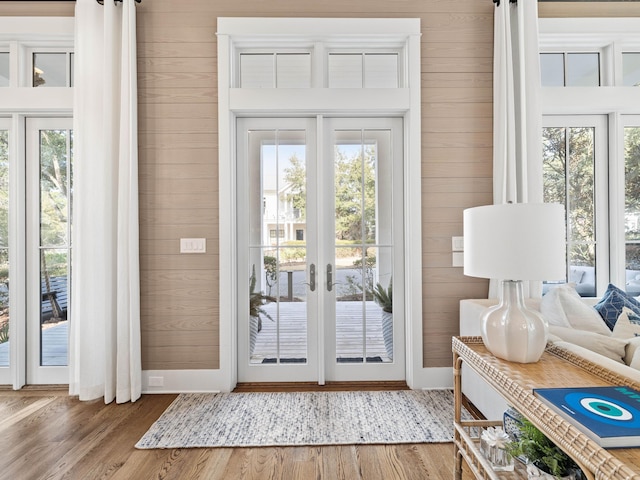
pixel 305 418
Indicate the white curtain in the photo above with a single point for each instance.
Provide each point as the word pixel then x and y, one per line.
pixel 104 353
pixel 517 120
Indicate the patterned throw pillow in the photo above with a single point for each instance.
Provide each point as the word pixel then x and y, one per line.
pixel 613 302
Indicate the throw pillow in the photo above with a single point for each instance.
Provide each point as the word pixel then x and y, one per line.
pixel 635 359
pixel 627 327
pixel 611 347
pixel 613 302
pixel 632 353
pixel 562 306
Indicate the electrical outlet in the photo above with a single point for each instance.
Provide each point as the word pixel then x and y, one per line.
pixel 156 381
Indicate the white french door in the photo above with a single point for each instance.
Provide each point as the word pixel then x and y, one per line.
pixel 49 149
pixel 5 271
pixel 35 219
pixel 320 229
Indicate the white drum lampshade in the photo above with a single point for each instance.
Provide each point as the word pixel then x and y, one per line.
pixel 515 242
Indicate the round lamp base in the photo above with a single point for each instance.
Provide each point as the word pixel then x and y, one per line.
pixel 512 331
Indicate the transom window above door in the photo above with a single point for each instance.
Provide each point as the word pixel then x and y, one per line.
pixel 326 61
pixel 352 68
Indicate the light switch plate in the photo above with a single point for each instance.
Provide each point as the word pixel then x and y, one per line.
pixel 193 245
pixel 458 259
pixel 457 244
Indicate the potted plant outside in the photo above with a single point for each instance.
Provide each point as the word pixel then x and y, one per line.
pixel 546 460
pixel 256 301
pixel 384 298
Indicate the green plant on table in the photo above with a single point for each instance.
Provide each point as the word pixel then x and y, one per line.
pixel 540 451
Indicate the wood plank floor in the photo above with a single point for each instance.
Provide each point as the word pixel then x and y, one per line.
pixel 49 435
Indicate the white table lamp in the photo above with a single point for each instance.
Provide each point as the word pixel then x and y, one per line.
pixel 515 242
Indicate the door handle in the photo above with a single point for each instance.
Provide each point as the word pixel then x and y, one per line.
pixel 330 283
pixel 312 278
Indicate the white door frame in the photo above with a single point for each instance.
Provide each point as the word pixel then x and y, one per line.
pixel 405 102
pixel 35 372
pixel 321 345
pixel 16 181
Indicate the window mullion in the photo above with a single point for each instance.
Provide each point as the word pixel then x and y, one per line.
pixel 14 64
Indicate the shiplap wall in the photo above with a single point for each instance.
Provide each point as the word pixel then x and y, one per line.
pixel 178 153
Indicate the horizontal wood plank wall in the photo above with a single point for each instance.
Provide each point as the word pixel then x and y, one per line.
pixel 627 8
pixel 32 9
pixel 178 154
pixel 178 146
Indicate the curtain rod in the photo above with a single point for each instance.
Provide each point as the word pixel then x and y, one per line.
pixel 497 2
pixel 101 2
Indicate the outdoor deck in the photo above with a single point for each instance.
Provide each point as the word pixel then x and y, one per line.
pixel 54 346
pixel 291 329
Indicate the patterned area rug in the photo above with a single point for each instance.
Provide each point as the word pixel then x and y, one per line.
pixel 305 418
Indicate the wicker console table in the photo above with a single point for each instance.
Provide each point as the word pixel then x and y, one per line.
pixel 514 382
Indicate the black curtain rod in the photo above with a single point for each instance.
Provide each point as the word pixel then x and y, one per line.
pixel 497 2
pixel 101 2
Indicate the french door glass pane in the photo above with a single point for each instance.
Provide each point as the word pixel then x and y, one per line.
pixel 360 169
pixel 4 248
pixel 632 208
pixel 55 201
pixel 569 179
pixel 54 306
pixel 278 253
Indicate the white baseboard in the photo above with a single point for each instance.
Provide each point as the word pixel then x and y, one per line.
pixel 184 381
pixel 433 378
pixel 193 381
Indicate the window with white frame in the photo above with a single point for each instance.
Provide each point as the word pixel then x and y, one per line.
pixel 35 189
pixel 591 146
pixel 51 67
pixel 320 65
pixel 27 63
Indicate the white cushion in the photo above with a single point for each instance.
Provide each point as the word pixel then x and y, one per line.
pixel 627 325
pixel 563 307
pixel 601 360
pixel 635 359
pixel 611 347
pixel 632 355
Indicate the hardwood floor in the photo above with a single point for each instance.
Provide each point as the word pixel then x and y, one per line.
pixel 49 435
